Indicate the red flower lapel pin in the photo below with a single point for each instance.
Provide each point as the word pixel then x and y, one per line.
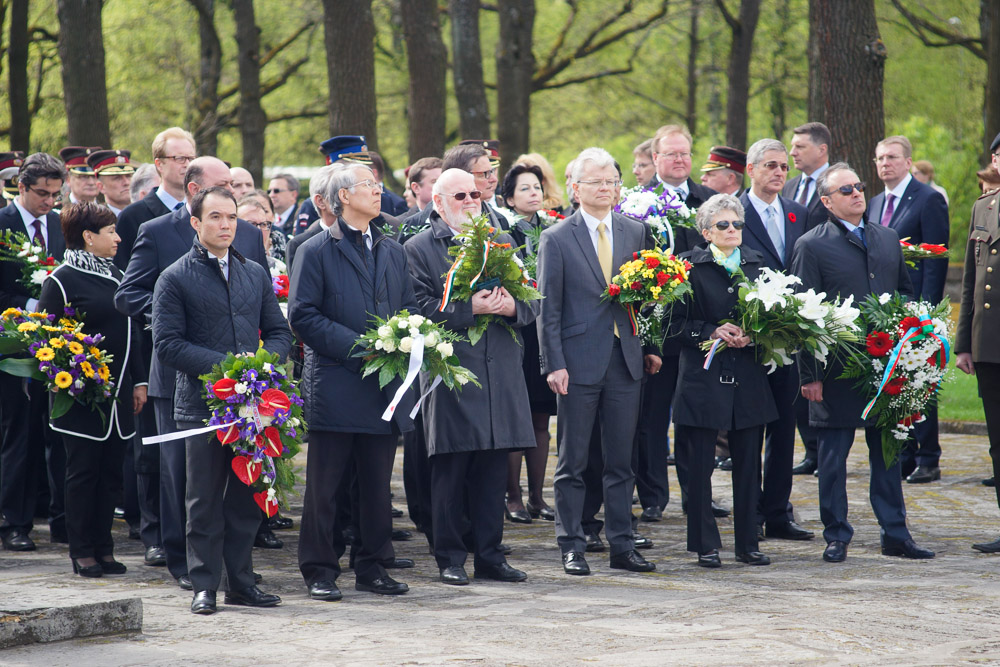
pixel 791 218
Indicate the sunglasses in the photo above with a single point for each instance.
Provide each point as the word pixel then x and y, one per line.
pixel 847 189
pixel 772 165
pixel 723 225
pixel 460 196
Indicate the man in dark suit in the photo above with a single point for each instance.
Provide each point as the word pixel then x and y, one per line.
pixel 773 225
pixel 811 155
pixel 24 416
pixel 160 243
pixel 845 257
pixel 593 361
pixel 976 351
pixel 919 213
pixel 173 150
pixel 284 193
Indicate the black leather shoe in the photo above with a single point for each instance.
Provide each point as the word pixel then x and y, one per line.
pixel 543 512
pixel 397 563
pixel 788 530
pixel 718 510
pixel 384 585
pixel 399 535
pixel 278 522
pixel 988 547
pixel 710 559
pixel 184 581
pixel 252 597
pixel 325 590
pixel 651 513
pixel 806 467
pixel 267 540
pixel 395 512
pixel 989 481
pixel 631 561
pixel 575 563
pixel 257 578
pixel 90 571
pixel 753 558
pixel 155 556
pixel 835 552
pixel 454 575
pixel 203 603
pixel 18 540
pixel 112 566
pixel 640 542
pixel 518 516
pixel 594 543
pixel 726 464
pixel 505 549
pixel 907 549
pixel 502 572
pixel 924 474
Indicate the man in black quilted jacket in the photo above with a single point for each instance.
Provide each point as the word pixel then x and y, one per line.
pixel 208 303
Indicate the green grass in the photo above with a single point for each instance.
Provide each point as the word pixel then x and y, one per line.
pixel 960 398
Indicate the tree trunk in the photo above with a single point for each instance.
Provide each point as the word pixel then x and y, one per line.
pixel 515 67
pixel 206 120
pixel 739 73
pixel 989 24
pixel 691 108
pixel 252 117
pixel 427 60
pixel 851 71
pixel 349 34
pixel 17 65
pixel 779 70
pixel 467 70
pixel 85 93
pixel 815 105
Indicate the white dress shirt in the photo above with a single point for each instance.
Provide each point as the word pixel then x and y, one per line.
pixel 592 224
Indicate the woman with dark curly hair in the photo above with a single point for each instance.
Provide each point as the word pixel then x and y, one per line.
pixel 96 439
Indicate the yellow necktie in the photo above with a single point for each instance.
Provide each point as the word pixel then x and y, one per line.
pixel 604 257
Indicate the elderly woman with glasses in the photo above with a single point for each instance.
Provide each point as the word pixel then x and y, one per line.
pixel 732 394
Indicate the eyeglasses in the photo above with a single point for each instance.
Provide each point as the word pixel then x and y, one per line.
pixel 847 189
pixel 675 156
pixel 723 225
pixel 370 184
pixel 887 158
pixel 460 196
pixel 641 165
pixel 276 191
pixel 772 165
pixel 605 183
pixel 489 173
pixel 261 225
pixel 45 194
pixel 179 159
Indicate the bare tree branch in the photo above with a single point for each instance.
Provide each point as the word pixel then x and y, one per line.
pixel 640 94
pixel 733 22
pixel 321 113
pixel 561 38
pixel 282 45
pixel 922 26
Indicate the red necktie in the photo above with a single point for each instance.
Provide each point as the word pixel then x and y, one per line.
pixel 37 237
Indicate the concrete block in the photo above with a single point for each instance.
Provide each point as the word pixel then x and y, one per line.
pixel 52 624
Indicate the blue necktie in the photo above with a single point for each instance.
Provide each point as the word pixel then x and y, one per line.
pixel 860 233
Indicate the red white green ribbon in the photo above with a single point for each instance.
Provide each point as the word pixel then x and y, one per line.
pixel 449 281
pixel 486 253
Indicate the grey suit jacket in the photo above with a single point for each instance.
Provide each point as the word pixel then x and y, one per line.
pixel 576 327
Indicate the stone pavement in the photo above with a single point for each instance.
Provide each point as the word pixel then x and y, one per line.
pixel 869 610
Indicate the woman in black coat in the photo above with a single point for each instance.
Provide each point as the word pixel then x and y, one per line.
pixel 95 440
pixel 732 395
pixel 523 193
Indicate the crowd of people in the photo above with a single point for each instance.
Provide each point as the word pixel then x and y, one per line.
pixel 172 262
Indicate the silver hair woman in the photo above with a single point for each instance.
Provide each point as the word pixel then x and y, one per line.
pixel 708 211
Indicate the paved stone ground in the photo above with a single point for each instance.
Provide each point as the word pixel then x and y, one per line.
pixel 869 610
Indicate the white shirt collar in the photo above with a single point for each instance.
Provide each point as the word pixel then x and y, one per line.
pixel 28 218
pixel 900 188
pixel 816 173
pixel 592 222
pixel 168 199
pixel 760 206
pixel 851 226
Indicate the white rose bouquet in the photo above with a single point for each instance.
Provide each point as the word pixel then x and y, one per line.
pixel 389 345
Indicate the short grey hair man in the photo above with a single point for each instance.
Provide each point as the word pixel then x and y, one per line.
pixel 824 178
pixel 756 152
pixel 342 177
pixel 594 155
pixel 144 179
pixel 715 205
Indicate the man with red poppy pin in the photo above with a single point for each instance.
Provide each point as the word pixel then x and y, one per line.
pixel 845 257
pixel 773 225
pixel 208 303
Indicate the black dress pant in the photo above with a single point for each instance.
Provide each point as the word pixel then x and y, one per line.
pixel 146 463
pixel 331 456
pixel 988 377
pixel 173 485
pixel 653 443
pixel 22 449
pixel 93 479
pixel 778 442
pixel 417 478
pixel 482 478
pixel 222 516
pixel 702 531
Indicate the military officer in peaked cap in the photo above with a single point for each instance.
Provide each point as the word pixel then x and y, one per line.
pixel 113 169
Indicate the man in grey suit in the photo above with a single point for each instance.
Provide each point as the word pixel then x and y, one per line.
pixel 593 361
pixel 847 258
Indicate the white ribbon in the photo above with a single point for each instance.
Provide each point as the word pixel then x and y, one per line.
pixel 177 435
pixel 416 360
pixel 416 408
